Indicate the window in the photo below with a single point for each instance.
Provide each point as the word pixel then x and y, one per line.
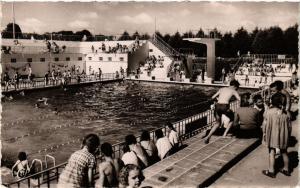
pixel 100 58
pixel 79 58
pixel 121 58
pixel 13 60
pixel 90 58
pixel 67 58
pixel 42 59
pixel 150 50
pixel 56 59
pixel 29 59
pixel 109 58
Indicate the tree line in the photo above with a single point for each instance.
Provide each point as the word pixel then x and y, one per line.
pixel 272 40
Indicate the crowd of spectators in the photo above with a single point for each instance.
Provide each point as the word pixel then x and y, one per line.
pixel 151 62
pixel 117 172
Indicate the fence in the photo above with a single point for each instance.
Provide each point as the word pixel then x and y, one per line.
pixel 26 84
pixel 52 174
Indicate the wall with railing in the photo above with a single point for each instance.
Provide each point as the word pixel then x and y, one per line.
pixel 41 83
pixel 39 46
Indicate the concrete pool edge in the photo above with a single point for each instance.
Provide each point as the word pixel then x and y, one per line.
pixel 186 83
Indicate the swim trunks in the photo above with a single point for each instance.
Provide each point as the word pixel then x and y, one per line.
pixel 224 109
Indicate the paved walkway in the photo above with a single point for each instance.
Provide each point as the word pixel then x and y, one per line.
pixel 248 171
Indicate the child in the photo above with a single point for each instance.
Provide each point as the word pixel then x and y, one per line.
pixel 79 170
pixel 276 133
pixel 130 176
pixel 21 167
pixel 109 168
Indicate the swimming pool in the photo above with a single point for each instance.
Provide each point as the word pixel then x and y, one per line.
pixel 112 111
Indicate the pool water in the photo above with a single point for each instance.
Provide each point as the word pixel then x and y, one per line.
pixel 112 111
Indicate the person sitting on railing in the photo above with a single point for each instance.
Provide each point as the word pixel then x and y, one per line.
pixel 131 176
pixel 129 157
pixel 142 155
pixel 21 168
pixel 79 170
pixel 56 48
pixel 163 144
pixel 222 107
pixel 173 137
pixel 150 147
pixel 109 168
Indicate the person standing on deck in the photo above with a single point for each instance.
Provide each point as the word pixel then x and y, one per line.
pixel 222 107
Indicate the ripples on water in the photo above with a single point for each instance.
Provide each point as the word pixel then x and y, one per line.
pixel 113 108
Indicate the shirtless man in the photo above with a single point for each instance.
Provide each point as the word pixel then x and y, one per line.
pixel 222 107
pixel 109 168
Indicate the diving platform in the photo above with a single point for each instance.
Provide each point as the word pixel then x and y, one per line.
pixel 211 54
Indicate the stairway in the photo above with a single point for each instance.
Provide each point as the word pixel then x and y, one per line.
pixel 161 48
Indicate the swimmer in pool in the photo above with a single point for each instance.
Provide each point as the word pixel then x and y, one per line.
pixel 40 101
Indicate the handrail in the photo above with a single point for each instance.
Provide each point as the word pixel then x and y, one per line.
pixel 164 46
pixel 51 157
pixel 25 84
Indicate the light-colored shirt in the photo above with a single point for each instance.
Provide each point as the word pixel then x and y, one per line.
pixel 130 158
pixel 173 138
pixel 163 146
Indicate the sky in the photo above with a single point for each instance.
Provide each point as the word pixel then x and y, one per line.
pixel 115 17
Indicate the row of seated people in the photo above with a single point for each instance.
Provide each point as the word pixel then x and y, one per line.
pixel 119 48
pixel 113 172
pixel 115 49
pixel 19 48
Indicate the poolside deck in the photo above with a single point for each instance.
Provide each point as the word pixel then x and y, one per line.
pixel 200 165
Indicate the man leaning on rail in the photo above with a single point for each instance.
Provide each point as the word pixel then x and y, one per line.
pixel 223 107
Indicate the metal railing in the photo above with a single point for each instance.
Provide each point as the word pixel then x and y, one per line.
pixel 41 83
pixel 20 49
pixel 165 47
